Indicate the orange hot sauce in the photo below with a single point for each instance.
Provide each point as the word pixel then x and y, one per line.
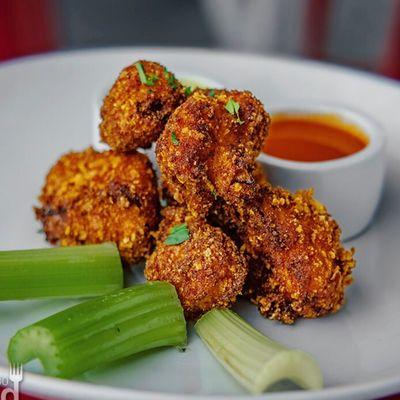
pixel 313 137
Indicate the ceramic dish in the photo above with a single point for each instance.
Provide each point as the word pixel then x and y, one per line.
pixel 351 186
pixel 46 109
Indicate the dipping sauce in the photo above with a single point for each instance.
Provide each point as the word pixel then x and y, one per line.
pixel 313 137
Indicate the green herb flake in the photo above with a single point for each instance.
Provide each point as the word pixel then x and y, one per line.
pixel 188 91
pixel 214 193
pixel 172 81
pixel 142 75
pixel 211 93
pixel 233 108
pixel 149 81
pixel 174 139
pixel 177 235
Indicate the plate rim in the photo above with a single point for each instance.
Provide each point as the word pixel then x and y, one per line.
pixel 245 54
pixel 37 384
pixel 34 383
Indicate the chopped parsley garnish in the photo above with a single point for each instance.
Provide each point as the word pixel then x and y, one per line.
pixel 188 90
pixel 211 93
pixel 170 79
pixel 214 193
pixel 172 82
pixel 233 108
pixel 147 80
pixel 151 80
pixel 174 139
pixel 142 75
pixel 177 234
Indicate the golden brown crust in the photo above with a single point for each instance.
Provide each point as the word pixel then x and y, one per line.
pixel 207 270
pixel 260 175
pixel 297 265
pixel 215 153
pixel 91 197
pixel 133 113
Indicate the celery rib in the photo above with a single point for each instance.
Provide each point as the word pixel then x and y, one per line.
pixel 79 271
pixel 103 330
pixel 256 361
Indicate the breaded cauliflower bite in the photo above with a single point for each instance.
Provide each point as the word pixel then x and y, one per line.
pixel 208 148
pixel 297 264
pixel 260 175
pixel 138 105
pixel 206 153
pixel 92 197
pixel 207 270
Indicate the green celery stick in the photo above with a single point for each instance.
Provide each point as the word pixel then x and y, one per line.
pixel 79 271
pixel 256 361
pixel 103 330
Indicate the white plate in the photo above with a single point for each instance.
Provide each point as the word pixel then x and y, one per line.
pixel 46 109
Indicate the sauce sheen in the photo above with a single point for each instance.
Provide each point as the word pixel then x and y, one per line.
pixel 313 137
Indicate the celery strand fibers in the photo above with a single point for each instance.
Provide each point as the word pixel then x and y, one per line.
pixel 256 361
pixel 79 271
pixel 103 330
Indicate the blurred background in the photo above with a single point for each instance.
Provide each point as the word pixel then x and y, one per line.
pixel 360 33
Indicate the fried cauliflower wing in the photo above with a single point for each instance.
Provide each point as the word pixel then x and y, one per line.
pixel 207 270
pixel 92 197
pixel 134 112
pixel 297 264
pixel 206 153
pixel 208 148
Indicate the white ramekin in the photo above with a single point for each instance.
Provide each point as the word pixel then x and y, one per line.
pixel 351 186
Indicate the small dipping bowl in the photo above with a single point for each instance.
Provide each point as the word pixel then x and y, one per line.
pixel 350 187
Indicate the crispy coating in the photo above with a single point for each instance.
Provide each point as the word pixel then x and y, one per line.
pixel 205 151
pixel 297 265
pixel 207 270
pixel 92 197
pixel 260 175
pixel 134 113
pixel 219 214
